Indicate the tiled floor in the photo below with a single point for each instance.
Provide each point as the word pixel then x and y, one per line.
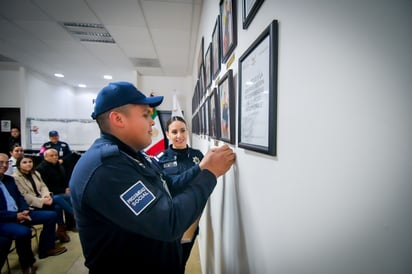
pixel 72 261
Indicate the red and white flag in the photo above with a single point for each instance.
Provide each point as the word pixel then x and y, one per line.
pixel 158 138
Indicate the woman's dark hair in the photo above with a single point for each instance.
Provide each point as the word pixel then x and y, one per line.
pixel 18 161
pixel 174 118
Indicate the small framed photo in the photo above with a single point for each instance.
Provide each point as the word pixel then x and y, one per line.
pixel 258 93
pixel 228 28
pixel 216 59
pixel 202 82
pixel 226 108
pixel 208 69
pixel 200 57
pixel 213 121
pixel 249 10
pixel 195 124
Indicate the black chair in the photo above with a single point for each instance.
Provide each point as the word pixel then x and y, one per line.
pixel 13 248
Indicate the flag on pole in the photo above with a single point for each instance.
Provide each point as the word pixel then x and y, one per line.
pixel 158 138
pixel 177 110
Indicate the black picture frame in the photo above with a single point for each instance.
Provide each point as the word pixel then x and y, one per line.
pixel 257 110
pixel 216 53
pixel 226 108
pixel 249 10
pixel 214 124
pixel 202 83
pixel 228 28
pixel 208 69
pixel 200 56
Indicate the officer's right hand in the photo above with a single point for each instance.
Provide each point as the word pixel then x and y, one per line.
pixel 218 160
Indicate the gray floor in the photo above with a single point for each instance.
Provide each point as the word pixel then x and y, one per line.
pixel 72 261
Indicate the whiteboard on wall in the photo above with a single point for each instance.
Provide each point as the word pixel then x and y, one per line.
pixel 78 133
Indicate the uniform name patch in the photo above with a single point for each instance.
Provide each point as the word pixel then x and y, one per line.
pixel 137 197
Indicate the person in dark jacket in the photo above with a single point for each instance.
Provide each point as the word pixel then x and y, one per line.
pixel 178 158
pixel 54 176
pixel 16 220
pixel 124 210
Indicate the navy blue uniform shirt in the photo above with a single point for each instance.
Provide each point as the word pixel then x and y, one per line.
pixel 125 214
pixel 175 162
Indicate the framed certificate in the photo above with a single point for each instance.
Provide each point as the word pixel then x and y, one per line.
pixel 258 93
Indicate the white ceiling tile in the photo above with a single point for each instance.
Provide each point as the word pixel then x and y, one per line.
pixel 168 15
pixel 123 12
pixel 170 38
pixel 129 34
pixel 67 11
pixel 45 30
pixel 21 10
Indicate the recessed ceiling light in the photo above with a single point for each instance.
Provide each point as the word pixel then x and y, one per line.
pixel 82 85
pixel 59 75
pixel 108 77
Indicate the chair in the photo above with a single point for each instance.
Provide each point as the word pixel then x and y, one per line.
pixel 33 235
pixel 7 259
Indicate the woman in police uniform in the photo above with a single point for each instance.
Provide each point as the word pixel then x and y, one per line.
pixel 178 158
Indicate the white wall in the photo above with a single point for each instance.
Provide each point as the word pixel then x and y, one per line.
pixel 337 197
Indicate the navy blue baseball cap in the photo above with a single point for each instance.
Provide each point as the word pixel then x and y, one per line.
pixel 53 133
pixel 118 94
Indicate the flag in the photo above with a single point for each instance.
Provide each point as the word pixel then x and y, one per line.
pixel 177 110
pixel 158 138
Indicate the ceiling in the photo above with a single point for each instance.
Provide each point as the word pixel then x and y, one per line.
pixel 151 38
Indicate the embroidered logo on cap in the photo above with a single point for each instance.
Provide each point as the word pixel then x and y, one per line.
pixel 137 197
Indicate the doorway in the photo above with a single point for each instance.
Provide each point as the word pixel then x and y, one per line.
pixel 9 117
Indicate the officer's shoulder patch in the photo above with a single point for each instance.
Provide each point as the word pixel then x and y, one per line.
pixel 137 197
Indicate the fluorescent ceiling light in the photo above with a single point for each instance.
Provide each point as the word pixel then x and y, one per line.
pixel 82 86
pixel 108 77
pixel 59 75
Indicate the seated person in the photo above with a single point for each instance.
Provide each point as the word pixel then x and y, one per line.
pixel 16 220
pixel 54 176
pixel 62 148
pixel 5 244
pixel 16 152
pixel 37 195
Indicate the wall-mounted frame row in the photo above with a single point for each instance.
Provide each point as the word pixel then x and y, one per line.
pixel 257 99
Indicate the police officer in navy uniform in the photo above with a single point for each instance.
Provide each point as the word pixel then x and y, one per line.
pixel 125 211
pixel 177 159
pixel 62 148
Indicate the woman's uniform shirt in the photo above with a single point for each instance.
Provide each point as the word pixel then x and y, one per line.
pixel 178 161
pixel 125 213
